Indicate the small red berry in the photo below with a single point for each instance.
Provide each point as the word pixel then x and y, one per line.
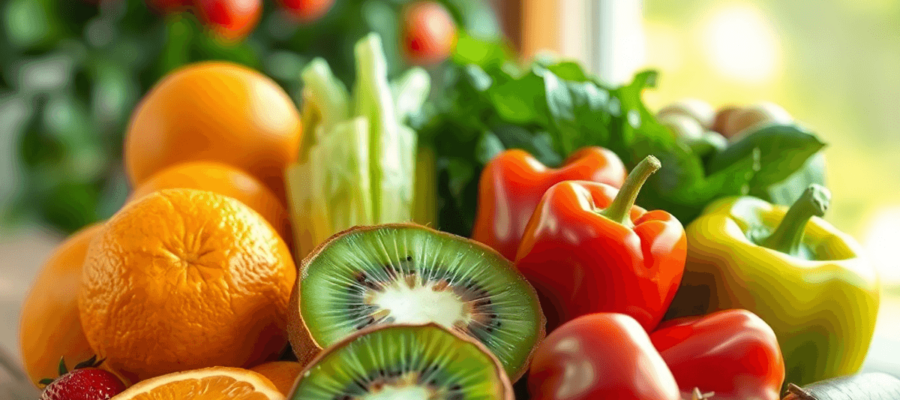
pixel 230 19
pixel 429 33
pixel 307 10
pixel 85 382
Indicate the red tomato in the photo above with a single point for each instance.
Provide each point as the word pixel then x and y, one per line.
pixel 600 356
pixel 429 33
pixel 307 10
pixel 230 19
pixel 168 6
pixel 732 353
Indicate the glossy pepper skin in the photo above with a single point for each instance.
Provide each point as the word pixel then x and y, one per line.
pixel 513 182
pixel 588 249
pixel 792 269
pixel 732 353
pixel 600 356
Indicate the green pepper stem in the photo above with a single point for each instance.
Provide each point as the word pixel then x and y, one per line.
pixel 620 208
pixel 789 234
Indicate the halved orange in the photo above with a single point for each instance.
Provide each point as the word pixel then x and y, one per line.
pixel 214 383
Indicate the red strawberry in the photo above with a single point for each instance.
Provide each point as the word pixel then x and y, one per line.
pixel 85 382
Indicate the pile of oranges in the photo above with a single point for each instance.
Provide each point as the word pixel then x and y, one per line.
pixel 194 272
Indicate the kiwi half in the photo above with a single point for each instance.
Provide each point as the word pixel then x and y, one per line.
pixel 410 274
pixel 403 362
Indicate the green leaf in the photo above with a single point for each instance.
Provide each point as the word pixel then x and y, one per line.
pixel 483 53
pixel 790 189
pixel 32 23
pixel 784 151
pixel 91 362
pixel 488 147
pixel 519 100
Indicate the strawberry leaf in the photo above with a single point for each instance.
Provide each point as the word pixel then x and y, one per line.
pixel 62 367
pixel 89 363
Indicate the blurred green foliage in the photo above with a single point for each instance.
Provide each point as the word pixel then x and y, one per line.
pixel 72 71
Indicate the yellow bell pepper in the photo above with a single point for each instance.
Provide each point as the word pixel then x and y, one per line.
pixel 797 272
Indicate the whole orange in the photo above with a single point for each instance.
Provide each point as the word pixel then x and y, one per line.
pixel 214 111
pixel 50 327
pixel 225 180
pixel 184 279
pixel 282 373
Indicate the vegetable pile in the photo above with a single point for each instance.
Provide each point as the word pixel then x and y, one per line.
pixel 552 108
pixel 479 231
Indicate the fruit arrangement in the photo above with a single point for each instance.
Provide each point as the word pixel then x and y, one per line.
pixel 69 84
pixel 322 252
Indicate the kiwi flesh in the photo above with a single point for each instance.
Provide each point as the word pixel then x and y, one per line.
pixel 404 362
pixel 411 274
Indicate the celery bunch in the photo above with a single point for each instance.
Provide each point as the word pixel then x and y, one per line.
pixel 357 162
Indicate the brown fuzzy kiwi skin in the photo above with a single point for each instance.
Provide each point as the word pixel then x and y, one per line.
pixel 306 348
pixel 498 367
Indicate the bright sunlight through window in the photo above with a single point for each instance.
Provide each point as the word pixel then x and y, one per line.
pixel 881 242
pixel 741 43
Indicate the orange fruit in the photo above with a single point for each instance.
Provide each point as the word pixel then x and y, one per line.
pixel 225 180
pixel 215 383
pixel 214 111
pixel 50 326
pixel 184 279
pixel 282 373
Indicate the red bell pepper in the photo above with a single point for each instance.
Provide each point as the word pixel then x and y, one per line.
pixel 732 353
pixel 513 182
pixel 600 356
pixel 588 249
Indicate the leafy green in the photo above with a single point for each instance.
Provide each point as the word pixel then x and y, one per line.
pixel 552 109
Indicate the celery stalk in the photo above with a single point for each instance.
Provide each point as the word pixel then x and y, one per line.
pixel 357 159
pixel 425 203
pixel 410 92
pixel 325 100
pixel 391 183
pixel 342 175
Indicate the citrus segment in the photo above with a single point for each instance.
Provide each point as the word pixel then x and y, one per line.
pixel 215 383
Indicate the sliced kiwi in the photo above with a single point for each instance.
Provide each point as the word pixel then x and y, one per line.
pixel 403 362
pixel 410 274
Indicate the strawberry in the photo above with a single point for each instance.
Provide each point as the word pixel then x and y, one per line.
pixel 85 382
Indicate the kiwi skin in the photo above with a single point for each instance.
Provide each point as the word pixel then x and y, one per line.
pixel 498 368
pixel 306 348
